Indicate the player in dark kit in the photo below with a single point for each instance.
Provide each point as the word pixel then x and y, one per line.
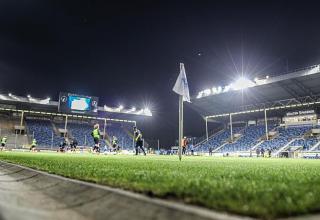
pixel 73 145
pixel 63 145
pixel 184 145
pixel 115 145
pixel 138 139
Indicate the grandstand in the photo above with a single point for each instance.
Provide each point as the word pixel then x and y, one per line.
pixel 22 119
pixel 42 131
pixel 249 138
pixel 47 133
pixel 277 113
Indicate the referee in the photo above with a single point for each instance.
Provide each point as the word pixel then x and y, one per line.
pixel 138 139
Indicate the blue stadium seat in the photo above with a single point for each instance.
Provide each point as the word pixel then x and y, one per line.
pixel 250 137
pixel 217 140
pixel 306 143
pixel 43 130
pixel 285 136
pixel 82 132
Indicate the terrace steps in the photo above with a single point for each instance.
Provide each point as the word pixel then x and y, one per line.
pixel 257 145
pixel 210 137
pixel 285 146
pixel 218 148
pixel 235 139
pixel 315 146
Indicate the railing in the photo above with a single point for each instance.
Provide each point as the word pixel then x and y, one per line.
pixel 256 145
pixel 220 147
pixel 211 134
pixel 314 146
pixel 285 147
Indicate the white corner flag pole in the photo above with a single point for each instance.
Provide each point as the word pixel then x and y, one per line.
pixel 180 126
pixel 182 89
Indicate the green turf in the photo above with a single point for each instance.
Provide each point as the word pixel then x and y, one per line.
pixel 266 188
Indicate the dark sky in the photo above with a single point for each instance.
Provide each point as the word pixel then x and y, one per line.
pixel 129 52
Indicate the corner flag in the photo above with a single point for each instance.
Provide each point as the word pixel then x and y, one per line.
pixel 181 87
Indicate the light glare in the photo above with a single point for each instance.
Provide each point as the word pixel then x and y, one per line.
pixel 242 83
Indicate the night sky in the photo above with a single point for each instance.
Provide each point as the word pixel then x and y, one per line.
pixel 129 52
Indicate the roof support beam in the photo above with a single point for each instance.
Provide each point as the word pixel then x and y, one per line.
pixel 303 87
pixel 278 105
pixel 289 90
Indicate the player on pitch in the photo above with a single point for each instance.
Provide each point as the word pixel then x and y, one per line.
pixel 96 138
pixel 138 139
pixel 115 145
pixel 3 143
pixel 33 145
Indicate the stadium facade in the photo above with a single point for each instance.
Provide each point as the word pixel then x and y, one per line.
pixel 25 118
pixel 276 114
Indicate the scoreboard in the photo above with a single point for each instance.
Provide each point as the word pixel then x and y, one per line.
pixel 78 104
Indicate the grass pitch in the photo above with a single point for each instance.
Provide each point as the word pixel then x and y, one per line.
pixel 265 188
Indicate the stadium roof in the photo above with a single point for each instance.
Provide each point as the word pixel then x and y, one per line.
pixel 45 113
pixel 294 89
pixel 27 103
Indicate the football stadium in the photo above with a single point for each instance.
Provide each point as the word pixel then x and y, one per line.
pixel 242 167
pixel 97 120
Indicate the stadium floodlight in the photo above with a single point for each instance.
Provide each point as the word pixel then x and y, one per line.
pixel 29 96
pixel 3 97
pixel 14 97
pixel 207 92
pixel 200 95
pixel 108 109
pixel 147 112
pixel 242 83
pixel 140 112
pixel 45 101
pixel 10 94
pixel 32 99
pixel 133 109
pixel 120 107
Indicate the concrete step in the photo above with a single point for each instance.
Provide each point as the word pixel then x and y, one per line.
pixel 27 194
